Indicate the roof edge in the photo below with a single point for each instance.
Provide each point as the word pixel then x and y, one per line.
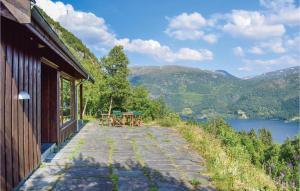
pixel 41 21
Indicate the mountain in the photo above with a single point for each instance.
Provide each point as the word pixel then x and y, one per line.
pixel 203 92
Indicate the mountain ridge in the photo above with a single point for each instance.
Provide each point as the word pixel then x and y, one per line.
pixel 220 71
pixel 204 92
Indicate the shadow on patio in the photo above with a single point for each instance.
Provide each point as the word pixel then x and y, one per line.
pixel 87 174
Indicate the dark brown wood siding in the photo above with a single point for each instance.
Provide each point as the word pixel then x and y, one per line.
pixel 22 121
pixel 49 105
pixel 19 121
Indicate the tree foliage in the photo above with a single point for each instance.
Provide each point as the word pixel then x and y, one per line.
pixel 281 162
pixel 115 69
pixel 111 79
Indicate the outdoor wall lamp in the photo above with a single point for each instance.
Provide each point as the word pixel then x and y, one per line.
pixel 23 95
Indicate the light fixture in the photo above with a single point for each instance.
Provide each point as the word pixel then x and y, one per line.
pixel 40 45
pixel 23 95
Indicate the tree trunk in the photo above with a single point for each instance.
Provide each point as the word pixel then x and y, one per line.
pixel 110 105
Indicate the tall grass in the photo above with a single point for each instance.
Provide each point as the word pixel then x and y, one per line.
pixel 170 120
pixel 228 172
pixel 229 167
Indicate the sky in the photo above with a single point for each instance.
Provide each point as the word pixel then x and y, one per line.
pixel 245 38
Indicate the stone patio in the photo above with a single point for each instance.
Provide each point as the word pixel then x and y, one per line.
pixel 125 159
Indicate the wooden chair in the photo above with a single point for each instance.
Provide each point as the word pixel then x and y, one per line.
pixel 117 117
pixel 137 118
pixel 105 120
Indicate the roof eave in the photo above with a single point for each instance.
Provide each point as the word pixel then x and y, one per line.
pixel 39 19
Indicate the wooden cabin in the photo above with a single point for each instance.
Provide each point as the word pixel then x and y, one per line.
pixel 40 85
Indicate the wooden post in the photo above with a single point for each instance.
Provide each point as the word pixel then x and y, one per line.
pixel 58 105
pixel 81 100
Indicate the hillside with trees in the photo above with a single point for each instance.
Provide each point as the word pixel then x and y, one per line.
pixel 205 93
pixel 111 89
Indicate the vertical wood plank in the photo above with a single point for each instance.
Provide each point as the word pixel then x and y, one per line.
pixel 2 108
pixel 26 115
pixel 73 101
pixel 61 102
pixel 81 100
pixel 47 110
pixel 34 114
pixel 53 105
pixel 21 117
pixel 30 122
pixel 8 131
pixel 14 114
pixel 58 88
pixel 39 111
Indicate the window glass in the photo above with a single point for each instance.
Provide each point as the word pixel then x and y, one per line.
pixel 66 101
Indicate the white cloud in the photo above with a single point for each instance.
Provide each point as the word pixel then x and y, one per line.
pixel 95 33
pixel 293 43
pixel 210 38
pixel 87 26
pixel 274 46
pixel 276 4
pixel 251 24
pixel 238 51
pixel 277 45
pixel 282 11
pixel 256 50
pixel 287 16
pixel 285 60
pixel 270 64
pixel 245 69
pixel 187 21
pixel 154 48
pixel 190 27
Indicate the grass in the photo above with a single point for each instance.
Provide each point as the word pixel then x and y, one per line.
pixel 137 152
pixel 75 151
pixel 114 177
pixel 227 172
pixel 142 163
pixel 89 118
pixel 195 182
pixel 43 165
pixel 153 188
pixel 171 120
pixel 150 136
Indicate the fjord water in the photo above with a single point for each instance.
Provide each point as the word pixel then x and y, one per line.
pixel 280 129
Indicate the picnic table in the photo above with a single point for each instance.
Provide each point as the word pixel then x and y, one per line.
pixel 118 118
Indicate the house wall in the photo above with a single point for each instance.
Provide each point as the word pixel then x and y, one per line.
pixel 50 120
pixel 20 121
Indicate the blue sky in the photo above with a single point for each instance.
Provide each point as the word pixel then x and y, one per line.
pixel 245 38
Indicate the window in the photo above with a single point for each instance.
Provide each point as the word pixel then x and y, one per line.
pixel 67 104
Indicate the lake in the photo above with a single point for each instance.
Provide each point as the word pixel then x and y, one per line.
pixel 279 129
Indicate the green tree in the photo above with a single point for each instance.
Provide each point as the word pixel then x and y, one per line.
pixel 115 68
pixel 265 136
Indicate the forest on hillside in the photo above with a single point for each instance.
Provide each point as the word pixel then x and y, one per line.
pixel 192 91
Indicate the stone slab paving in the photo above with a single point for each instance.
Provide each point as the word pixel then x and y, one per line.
pixel 125 159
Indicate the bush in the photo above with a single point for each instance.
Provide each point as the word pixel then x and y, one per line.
pixel 170 120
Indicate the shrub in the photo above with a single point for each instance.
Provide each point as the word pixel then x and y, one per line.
pixel 170 120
